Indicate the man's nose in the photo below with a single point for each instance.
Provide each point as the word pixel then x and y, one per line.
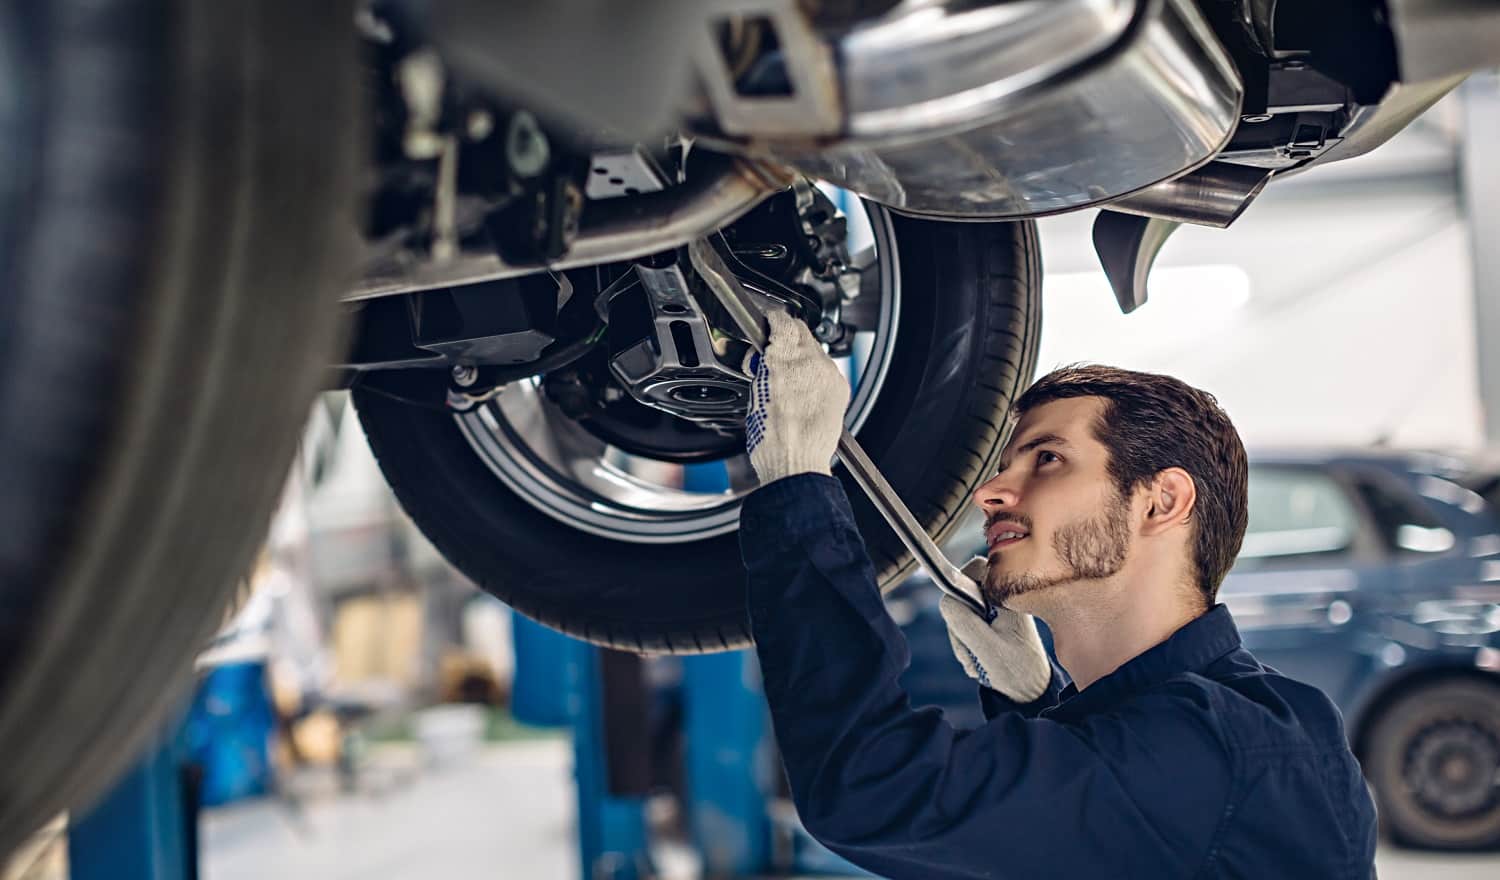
pixel 995 493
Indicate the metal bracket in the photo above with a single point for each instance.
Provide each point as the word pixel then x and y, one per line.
pixel 623 173
pixel 814 105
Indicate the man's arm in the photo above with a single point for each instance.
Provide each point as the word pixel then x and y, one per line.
pixel 901 792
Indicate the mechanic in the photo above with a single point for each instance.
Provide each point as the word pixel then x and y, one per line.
pixel 1119 505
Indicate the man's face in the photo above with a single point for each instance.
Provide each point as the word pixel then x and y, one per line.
pixel 1053 514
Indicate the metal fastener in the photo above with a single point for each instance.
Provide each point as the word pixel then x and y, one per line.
pixel 526 148
pixel 479 125
pixel 849 284
pixel 465 375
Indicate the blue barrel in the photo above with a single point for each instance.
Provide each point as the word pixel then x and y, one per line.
pixel 228 733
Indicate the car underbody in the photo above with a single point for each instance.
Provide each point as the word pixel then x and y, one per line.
pixel 499 171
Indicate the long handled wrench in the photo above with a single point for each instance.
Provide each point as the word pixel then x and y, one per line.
pixel 749 316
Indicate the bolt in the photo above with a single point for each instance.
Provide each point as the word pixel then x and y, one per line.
pixel 526 147
pixel 465 375
pixel 420 77
pixel 849 284
pixel 827 330
pixel 479 125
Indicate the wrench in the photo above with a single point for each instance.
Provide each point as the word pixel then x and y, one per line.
pixel 748 314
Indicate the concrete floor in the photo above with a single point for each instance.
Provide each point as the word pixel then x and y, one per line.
pixel 507 811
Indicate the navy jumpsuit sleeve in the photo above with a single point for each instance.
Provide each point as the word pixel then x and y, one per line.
pixel 902 793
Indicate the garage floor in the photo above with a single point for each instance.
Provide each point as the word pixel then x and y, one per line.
pixel 505 812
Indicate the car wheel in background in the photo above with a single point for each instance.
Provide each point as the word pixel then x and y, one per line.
pixel 1433 758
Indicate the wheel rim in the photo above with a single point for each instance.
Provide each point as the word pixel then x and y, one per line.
pixel 570 475
pixel 1452 769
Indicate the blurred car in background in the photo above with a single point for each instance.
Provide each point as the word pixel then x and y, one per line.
pixel 1373 575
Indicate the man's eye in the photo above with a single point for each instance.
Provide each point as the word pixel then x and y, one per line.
pixel 1044 456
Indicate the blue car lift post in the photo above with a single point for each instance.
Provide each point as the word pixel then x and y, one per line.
pixel 729 777
pixel 563 681
pixel 145 828
pixel 560 680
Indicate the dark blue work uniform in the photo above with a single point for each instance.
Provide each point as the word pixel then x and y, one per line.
pixel 1191 760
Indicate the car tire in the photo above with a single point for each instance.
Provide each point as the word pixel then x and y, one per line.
pixel 965 347
pixel 1432 758
pixel 176 214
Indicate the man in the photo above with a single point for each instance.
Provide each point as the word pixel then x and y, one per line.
pixel 1118 506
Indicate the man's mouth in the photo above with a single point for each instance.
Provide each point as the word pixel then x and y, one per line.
pixel 1002 535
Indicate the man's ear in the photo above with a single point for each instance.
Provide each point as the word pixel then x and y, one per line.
pixel 1170 500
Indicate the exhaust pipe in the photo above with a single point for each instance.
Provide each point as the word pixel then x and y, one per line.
pixel 1214 195
pixel 722 191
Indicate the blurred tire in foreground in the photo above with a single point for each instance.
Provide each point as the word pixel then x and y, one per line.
pixel 176 215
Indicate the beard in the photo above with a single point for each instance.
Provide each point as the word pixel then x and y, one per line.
pixel 1090 548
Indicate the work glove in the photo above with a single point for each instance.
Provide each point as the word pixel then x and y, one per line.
pixel 1005 654
pixel 797 401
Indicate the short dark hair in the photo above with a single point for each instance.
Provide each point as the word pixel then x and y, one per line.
pixel 1152 422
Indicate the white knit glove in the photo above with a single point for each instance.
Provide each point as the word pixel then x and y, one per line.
pixel 1005 655
pixel 797 401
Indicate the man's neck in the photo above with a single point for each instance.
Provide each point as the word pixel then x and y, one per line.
pixel 1098 626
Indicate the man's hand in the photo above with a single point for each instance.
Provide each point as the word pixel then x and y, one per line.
pixel 1005 655
pixel 797 401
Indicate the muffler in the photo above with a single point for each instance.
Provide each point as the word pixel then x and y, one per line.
pixel 1002 110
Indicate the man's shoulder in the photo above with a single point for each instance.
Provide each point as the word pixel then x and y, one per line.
pixel 1258 708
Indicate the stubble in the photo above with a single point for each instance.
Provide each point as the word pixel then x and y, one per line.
pixel 1090 548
